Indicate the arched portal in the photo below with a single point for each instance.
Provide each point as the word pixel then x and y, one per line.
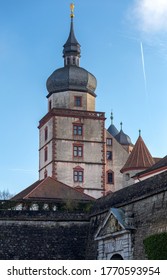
pixel 116 257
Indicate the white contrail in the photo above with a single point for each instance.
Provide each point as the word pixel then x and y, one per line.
pixel 144 70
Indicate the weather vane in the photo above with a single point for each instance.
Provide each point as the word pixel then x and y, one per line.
pixel 72 6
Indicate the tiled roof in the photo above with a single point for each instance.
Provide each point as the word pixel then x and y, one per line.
pixel 140 158
pixel 51 189
pixel 140 190
pixel 158 166
pixel 26 191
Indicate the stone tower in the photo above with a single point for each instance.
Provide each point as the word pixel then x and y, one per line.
pixel 72 133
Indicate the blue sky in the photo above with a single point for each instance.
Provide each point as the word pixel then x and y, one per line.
pixel 124 44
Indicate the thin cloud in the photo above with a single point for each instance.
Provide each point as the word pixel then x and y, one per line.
pixel 150 15
pixel 149 18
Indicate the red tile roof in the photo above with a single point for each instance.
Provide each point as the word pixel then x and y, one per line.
pixel 140 158
pixel 51 189
pixel 159 166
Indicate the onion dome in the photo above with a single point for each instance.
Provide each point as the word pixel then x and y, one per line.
pixel 71 76
pixel 123 138
pixel 112 129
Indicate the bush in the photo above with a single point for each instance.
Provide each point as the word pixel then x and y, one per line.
pixel 156 246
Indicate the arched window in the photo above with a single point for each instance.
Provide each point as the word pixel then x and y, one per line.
pixel 73 60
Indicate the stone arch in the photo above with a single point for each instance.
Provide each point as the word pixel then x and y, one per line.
pixel 116 257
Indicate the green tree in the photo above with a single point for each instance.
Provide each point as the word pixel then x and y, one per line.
pixel 156 246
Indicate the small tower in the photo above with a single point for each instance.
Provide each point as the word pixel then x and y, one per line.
pixel 72 133
pixel 140 159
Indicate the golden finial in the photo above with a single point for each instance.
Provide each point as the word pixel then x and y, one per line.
pixel 72 6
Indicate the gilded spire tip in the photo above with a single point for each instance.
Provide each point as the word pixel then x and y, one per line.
pixel 72 6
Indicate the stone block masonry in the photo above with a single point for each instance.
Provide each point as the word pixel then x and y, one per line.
pixel 69 235
pixel 36 239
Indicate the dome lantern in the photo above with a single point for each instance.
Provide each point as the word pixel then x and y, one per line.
pixel 71 76
pixel 71 52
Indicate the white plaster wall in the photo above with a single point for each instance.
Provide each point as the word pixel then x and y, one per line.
pixel 92 128
pixel 66 100
pixel 42 141
pixel 92 175
pixel 119 158
pixel 131 173
pixel 42 162
pixel 48 168
pixel 91 151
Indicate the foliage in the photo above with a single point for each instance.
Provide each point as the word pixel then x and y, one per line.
pixel 71 205
pixel 63 206
pixel 156 246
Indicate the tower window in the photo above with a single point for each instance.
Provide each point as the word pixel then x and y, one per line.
pixel 46 154
pixel 109 155
pixel 78 151
pixel 77 129
pixel 73 60
pixel 68 61
pixel 109 141
pixel 110 177
pixel 46 133
pixel 77 101
pixel 78 175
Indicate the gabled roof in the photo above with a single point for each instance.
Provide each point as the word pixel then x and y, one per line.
pixel 114 223
pixel 140 157
pixel 51 189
